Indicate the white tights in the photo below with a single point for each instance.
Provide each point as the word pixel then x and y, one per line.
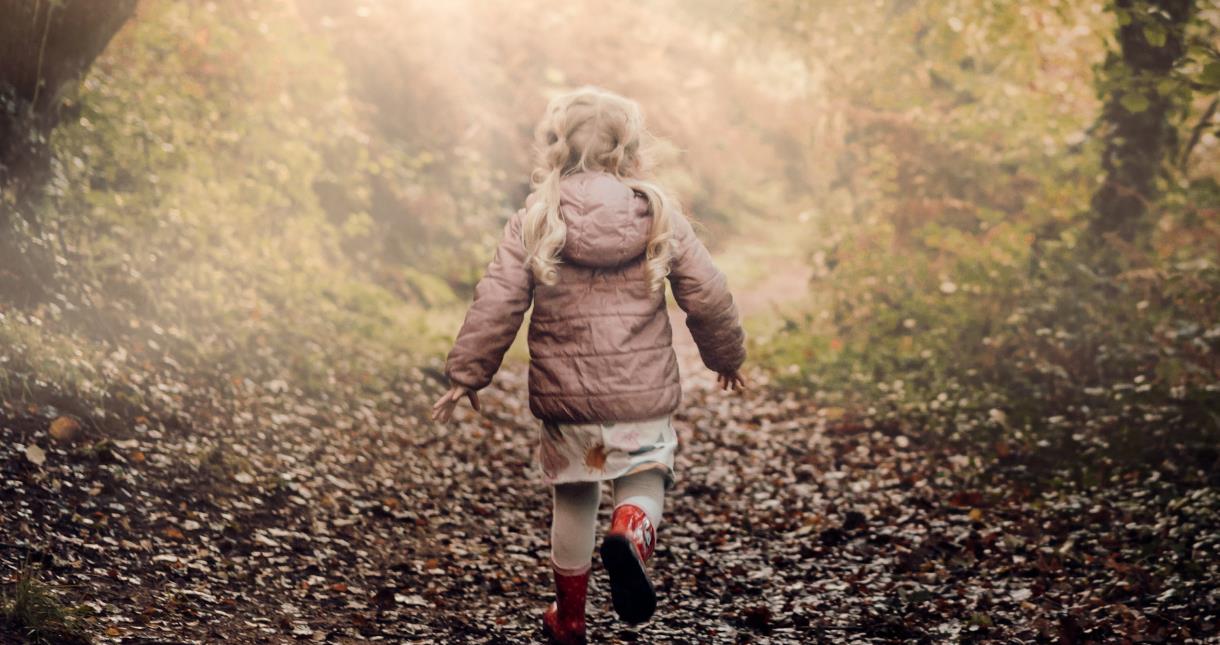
pixel 574 520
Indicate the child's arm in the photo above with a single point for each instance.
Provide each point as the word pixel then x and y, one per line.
pixel 702 292
pixel 500 300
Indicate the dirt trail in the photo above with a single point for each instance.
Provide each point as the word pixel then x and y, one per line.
pixel 344 521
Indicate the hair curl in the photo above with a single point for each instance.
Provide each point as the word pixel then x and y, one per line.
pixel 591 129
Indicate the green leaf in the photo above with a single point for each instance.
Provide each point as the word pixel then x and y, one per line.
pixel 1155 35
pixel 1211 75
pixel 1134 103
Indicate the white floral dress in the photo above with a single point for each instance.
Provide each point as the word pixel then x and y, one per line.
pixel 583 452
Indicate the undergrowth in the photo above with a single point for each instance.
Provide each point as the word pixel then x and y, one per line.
pixel 1078 375
pixel 31 609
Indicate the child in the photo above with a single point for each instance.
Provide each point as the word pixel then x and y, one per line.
pixel 591 251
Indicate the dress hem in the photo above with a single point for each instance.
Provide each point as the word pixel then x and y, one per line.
pixel 670 475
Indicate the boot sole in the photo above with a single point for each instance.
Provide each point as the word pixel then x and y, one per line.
pixel 632 592
pixel 555 640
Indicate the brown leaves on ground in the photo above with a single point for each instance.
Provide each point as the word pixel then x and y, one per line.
pixel 323 521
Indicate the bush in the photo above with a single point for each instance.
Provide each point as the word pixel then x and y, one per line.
pixel 1069 368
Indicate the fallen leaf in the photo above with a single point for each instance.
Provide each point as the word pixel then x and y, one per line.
pixel 64 429
pixel 414 600
pixel 36 455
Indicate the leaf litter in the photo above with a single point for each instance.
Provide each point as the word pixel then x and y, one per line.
pixel 277 518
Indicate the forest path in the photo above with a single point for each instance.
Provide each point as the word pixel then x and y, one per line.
pixel 283 519
pixel 340 523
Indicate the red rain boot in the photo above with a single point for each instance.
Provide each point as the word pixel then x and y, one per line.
pixel 564 620
pixel 627 546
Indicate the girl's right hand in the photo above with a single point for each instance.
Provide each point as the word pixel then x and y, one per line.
pixel 733 380
pixel 442 410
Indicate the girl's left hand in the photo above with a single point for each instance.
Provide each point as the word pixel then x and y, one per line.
pixel 442 410
pixel 734 381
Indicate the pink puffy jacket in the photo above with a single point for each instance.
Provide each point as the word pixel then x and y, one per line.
pixel 600 343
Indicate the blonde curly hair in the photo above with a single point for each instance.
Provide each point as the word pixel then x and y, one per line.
pixel 592 129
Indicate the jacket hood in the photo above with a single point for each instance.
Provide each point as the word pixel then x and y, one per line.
pixel 608 222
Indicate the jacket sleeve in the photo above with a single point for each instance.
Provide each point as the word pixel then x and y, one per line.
pixel 501 298
pixel 702 291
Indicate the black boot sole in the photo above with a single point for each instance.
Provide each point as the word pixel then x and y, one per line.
pixel 634 597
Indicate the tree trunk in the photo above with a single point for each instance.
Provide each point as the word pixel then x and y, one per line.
pixel 1139 119
pixel 45 48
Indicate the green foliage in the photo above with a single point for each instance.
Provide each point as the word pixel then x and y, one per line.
pixel 1077 370
pixel 208 214
pixel 951 295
